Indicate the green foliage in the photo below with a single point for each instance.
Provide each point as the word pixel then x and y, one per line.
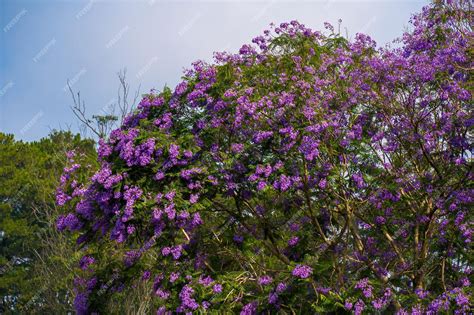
pixel 29 175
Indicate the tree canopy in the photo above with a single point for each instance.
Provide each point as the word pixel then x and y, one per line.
pixel 307 173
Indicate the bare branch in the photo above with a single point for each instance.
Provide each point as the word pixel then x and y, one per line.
pixel 101 125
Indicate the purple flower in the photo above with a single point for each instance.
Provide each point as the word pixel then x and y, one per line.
pixel 281 287
pixel 366 288
pixel 174 276
pixel 422 294
pixel 170 211
pixel 176 251
pixel 217 288
pixel 359 180
pixel 462 299
pixel 69 222
pixel 261 136
pixel 237 147
pixel 362 283
pixel 187 302
pixel 173 151
pixel 62 198
pixel 181 88
pixel 130 229
pixel 159 175
pixel 379 220
pixel 359 307
pixel 205 281
pixel 348 305
pixel 309 148
pixel 465 282
pixel 170 195
pixel 146 275
pixel 86 261
pixel 249 309
pixel 293 241
pixel 166 251
pixel 238 239
pixel 81 303
pixel 265 280
pixel 193 198
pixel 378 304
pixel 322 183
pixel 205 305
pixel 272 298
pixel 162 293
pixel 285 182
pixel 302 271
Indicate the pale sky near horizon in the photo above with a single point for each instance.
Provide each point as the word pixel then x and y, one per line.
pixel 43 43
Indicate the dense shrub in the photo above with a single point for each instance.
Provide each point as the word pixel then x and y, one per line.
pixel 305 174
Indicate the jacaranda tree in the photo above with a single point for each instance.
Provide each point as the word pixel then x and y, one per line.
pixel 305 174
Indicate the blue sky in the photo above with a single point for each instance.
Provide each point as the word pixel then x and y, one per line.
pixel 43 43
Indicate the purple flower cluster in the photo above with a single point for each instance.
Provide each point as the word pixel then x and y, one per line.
pixel 187 302
pixel 366 288
pixel 265 280
pixel 302 271
pixel 69 222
